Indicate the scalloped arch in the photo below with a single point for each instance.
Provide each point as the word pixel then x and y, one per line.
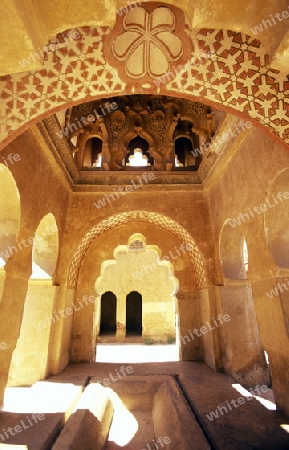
pixel 119 219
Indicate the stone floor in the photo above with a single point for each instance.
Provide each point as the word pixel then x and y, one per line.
pixel 249 425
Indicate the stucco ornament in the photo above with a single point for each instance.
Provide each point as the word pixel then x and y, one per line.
pixel 148 44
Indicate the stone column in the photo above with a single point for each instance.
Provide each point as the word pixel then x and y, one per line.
pixel 283 292
pixel 61 329
pixel 211 339
pixel 189 319
pixel 120 316
pixel 11 310
pixel 244 358
pixel 80 332
pixel 272 324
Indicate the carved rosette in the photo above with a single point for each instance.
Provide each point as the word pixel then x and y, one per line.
pixel 148 42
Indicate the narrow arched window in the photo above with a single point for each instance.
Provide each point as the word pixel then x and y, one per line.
pixel 186 145
pixel 138 155
pixel 92 153
pixel 183 152
pixel 108 313
pixel 134 313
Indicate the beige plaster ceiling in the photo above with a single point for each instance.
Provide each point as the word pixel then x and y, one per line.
pixel 26 26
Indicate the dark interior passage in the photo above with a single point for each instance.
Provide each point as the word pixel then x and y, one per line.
pixel 134 314
pixel 108 313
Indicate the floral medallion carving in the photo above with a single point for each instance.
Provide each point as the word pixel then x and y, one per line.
pixel 118 118
pixel 148 42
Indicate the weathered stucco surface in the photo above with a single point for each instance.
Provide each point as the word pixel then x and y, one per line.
pixel 213 200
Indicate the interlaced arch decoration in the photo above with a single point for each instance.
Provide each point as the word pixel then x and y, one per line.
pixel 154 218
pixel 233 73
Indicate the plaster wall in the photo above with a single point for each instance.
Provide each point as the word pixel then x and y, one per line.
pixel 2 279
pixel 30 357
pixel 243 184
pixel 34 178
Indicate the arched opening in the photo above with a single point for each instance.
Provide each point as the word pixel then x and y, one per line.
pixel 134 314
pixel 45 248
pixel 132 264
pixel 9 215
pixel 138 155
pixel 186 141
pixel 92 153
pixel 108 313
pixel 147 325
pixel 138 159
pixel 183 152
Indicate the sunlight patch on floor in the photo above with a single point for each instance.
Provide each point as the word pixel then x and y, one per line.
pixel 124 425
pixel 265 398
pixel 136 353
pixel 42 397
pixel 285 427
pixel 13 447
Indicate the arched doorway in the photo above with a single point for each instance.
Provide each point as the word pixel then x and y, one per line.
pixel 108 313
pixel 135 267
pixel 134 314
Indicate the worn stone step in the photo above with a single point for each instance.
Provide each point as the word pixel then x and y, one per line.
pixel 34 416
pixel 88 426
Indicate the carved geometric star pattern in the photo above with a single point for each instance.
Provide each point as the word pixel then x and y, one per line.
pixel 235 74
pixel 238 76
